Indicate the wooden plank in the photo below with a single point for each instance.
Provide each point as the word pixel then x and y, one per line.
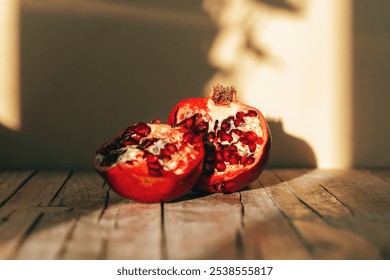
pixel 85 193
pixel 206 227
pixel 21 212
pixel 13 232
pixel 38 191
pixel 84 190
pixel 313 194
pixel 132 231
pixel 363 192
pixel 84 239
pixel 108 226
pixel 47 239
pixel 367 196
pixel 384 174
pixel 65 196
pixel 266 233
pixel 324 240
pixel 125 230
pixel 11 182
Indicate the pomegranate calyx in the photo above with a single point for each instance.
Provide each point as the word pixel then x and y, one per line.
pixel 223 95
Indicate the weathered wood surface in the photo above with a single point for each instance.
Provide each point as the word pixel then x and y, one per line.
pixel 285 214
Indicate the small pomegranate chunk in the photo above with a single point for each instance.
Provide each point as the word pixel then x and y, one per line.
pixel 151 162
pixel 237 140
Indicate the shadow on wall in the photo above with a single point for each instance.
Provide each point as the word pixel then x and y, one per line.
pixel 287 150
pixel 239 51
pixel 90 68
pixel 238 48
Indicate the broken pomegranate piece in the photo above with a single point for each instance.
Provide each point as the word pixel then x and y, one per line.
pixel 151 162
pixel 236 139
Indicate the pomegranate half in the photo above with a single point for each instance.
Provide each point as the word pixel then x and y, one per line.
pixel 236 139
pixel 151 162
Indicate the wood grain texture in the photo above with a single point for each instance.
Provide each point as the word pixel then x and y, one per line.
pixel 267 232
pixel 310 209
pixel 11 182
pixel 285 214
pixel 207 227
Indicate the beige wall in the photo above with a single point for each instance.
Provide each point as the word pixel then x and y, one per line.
pixel 318 69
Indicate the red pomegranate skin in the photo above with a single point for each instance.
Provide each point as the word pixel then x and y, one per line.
pixel 137 182
pixel 232 173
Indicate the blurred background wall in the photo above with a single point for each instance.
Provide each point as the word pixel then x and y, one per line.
pixel 74 72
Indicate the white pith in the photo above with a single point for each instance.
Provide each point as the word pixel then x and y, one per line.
pixel 166 134
pixel 220 113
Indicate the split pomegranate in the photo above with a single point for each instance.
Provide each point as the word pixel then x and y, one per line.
pixel 236 138
pixel 151 162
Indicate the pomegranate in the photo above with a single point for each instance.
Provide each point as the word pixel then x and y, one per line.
pixel 151 162
pixel 236 139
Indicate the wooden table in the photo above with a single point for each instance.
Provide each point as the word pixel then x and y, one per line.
pixel 286 214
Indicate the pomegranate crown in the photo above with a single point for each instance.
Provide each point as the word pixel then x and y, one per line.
pixel 223 95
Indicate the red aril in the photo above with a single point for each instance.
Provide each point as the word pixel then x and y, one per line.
pixel 236 138
pixel 151 162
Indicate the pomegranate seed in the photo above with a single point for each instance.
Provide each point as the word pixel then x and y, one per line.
pixel 106 162
pixel 154 165
pixel 234 158
pixel 129 142
pixel 251 136
pixel 225 125
pixel 129 130
pixel 260 140
pixel 197 116
pixel 136 137
pixel 219 156
pixel 146 143
pixel 236 131
pixel 244 140
pixel 111 158
pixel 252 147
pixel 252 113
pixel 232 148
pixel 249 161
pixel 189 122
pixel 210 136
pixel 165 157
pixel 165 152
pixel 225 137
pixel 156 121
pixel 150 158
pixel 243 159
pixel 220 166
pixel 171 148
pixel 240 115
pixel 220 147
pixel 219 186
pixel 226 155
pixel 142 129
pixel 188 137
pixel 203 127
pixel 238 122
